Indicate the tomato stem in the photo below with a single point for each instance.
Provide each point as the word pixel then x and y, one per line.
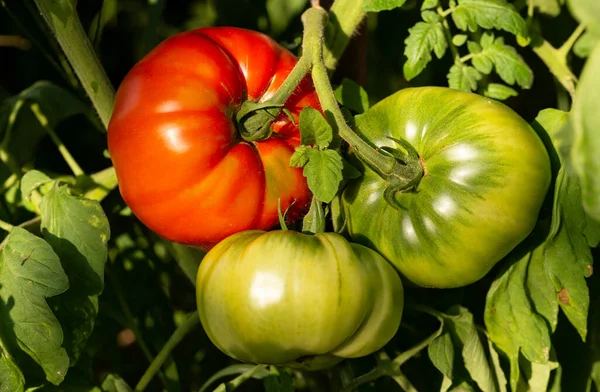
pixel 82 57
pixel 181 332
pixel 403 171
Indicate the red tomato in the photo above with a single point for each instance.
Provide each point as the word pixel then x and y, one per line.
pixel 182 167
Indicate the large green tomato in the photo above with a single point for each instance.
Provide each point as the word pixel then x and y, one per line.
pixel 486 176
pixel 292 299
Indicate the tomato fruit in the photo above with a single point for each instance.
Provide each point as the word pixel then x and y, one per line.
pixel 486 176
pixel 293 299
pixel 181 165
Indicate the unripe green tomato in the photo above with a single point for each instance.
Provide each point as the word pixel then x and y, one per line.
pixel 298 300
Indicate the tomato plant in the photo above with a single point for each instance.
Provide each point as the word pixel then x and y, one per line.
pixel 443 156
pixel 486 174
pixel 292 299
pixel 182 166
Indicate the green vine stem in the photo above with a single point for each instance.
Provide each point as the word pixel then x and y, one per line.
pixel 239 380
pixel 73 165
pixel 79 51
pixel 344 18
pixel 556 61
pixel 181 332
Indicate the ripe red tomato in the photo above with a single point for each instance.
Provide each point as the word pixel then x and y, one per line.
pixel 182 167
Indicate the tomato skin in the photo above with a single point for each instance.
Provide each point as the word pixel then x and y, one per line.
pixel 181 165
pixel 286 298
pixel 486 176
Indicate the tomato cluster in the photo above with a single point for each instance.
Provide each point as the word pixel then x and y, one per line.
pixel 293 299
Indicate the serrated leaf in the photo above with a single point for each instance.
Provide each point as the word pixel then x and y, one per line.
pixel 323 173
pixel 512 323
pixel 300 156
pixel 488 14
pixel 427 4
pixel 586 139
pixel 314 129
pixel 587 12
pixel 463 77
pixel 568 256
pixel 430 16
pixel 11 377
pixel 30 272
pixel 78 231
pixel 422 39
pixel 114 383
pixel 509 65
pixel 352 95
pixel 584 45
pixel 499 91
pixel 548 7
pixel 382 5
pixel 459 39
pixel 32 180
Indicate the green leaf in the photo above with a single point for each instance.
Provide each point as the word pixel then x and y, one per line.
pixel 300 156
pixel 586 139
pixel 281 13
pixel 422 39
pixel 499 91
pixel 428 4
pixel 488 14
pixel 382 5
pixel 11 378
pixel 314 220
pixel 463 77
pixel 441 354
pixel 568 256
pixel 78 231
pixel 495 358
pixel 548 7
pixel 459 39
pixel 114 383
pixel 537 375
pixel 30 272
pixel 509 65
pixel 512 322
pixel 584 45
pixel 314 129
pixel 352 95
pixel 323 173
pixel 587 12
pixel 31 181
pixel 460 322
pixel 279 382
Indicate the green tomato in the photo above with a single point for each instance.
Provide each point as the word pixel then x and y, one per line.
pixel 486 175
pixel 298 300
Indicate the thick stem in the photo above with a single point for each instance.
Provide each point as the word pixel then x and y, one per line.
pixel 80 53
pixel 344 18
pixel 564 50
pixel 557 64
pixel 181 332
